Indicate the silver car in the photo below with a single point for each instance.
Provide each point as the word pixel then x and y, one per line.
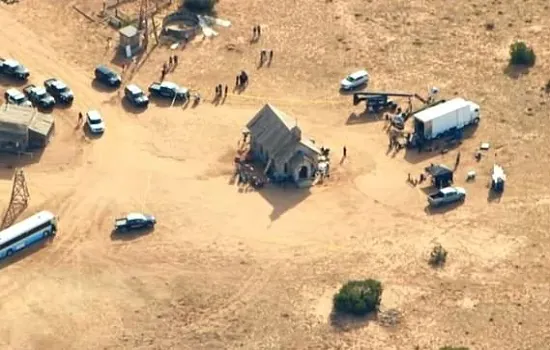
pixel 354 80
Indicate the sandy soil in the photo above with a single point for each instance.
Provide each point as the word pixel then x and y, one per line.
pixel 228 268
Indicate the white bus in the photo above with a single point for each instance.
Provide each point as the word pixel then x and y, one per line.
pixel 27 232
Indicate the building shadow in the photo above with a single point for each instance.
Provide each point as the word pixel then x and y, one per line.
pixel 283 198
pixel 345 323
pixel 515 71
pixel 130 108
pixel 16 257
pixel 130 236
pixel 10 161
pixel 442 209
pixel 363 118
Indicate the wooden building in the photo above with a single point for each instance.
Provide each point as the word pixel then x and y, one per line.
pixel 277 141
pixel 23 128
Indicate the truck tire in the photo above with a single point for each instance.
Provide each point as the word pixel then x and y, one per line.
pixel 476 121
pixel 10 252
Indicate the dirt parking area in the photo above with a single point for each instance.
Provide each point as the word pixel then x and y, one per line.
pixel 229 269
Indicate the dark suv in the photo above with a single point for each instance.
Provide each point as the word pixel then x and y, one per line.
pixel 136 96
pixel 107 76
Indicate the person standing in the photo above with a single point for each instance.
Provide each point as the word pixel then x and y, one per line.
pixel 270 55
pixel 170 62
pixel 226 90
pixel 259 30
pixel 254 32
pixel 80 118
pixel 345 152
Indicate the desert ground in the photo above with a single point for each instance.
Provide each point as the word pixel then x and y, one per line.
pixel 229 268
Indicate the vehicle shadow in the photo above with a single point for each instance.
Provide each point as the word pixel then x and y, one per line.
pixel 360 88
pixel 25 253
pixel 130 108
pixel 9 82
pixel 493 196
pixel 363 118
pixel 100 87
pixel 131 235
pixel 442 209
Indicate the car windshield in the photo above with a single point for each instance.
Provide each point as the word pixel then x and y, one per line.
pixel 94 121
pixel 350 79
pixel 62 89
pixel 41 94
pixel 137 94
pixel 19 99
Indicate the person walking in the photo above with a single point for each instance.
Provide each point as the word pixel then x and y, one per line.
pixel 226 90
pixel 259 30
pixel 270 55
pixel 345 152
pixel 254 32
pixel 170 62
pixel 80 118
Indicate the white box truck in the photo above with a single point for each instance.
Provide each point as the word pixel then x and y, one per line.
pixel 454 114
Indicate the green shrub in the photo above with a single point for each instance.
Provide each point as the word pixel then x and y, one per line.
pixel 358 297
pixel 438 256
pixel 200 6
pixel 521 54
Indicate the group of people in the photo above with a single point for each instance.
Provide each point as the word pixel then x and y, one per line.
pixel 170 66
pixel 256 32
pixel 265 57
pixel 221 91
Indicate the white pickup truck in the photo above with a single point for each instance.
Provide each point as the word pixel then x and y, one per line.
pixel 447 195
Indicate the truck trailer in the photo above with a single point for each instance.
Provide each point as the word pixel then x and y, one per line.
pixel 454 114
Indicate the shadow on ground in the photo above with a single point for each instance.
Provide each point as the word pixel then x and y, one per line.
pixel 346 323
pixel 8 161
pixel 100 87
pixel 364 117
pixel 515 72
pixel 9 82
pixel 130 108
pixel 443 209
pixel 130 236
pixel 283 198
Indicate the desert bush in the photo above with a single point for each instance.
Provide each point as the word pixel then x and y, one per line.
pixel 358 297
pixel 454 348
pixel 438 256
pixel 521 54
pixel 200 6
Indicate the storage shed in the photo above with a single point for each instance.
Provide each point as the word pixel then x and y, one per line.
pixel 129 39
pixel 441 175
pixel 24 128
pixel 277 141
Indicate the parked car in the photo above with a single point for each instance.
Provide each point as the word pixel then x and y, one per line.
pixel 447 195
pixel 13 69
pixel 95 122
pixel 59 90
pixel 136 96
pixel 135 221
pixel 107 76
pixel 39 96
pixel 169 90
pixel 354 80
pixel 16 97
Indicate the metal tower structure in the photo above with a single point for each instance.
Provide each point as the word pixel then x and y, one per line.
pixel 18 201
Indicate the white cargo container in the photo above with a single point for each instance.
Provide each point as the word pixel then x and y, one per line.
pixel 450 115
